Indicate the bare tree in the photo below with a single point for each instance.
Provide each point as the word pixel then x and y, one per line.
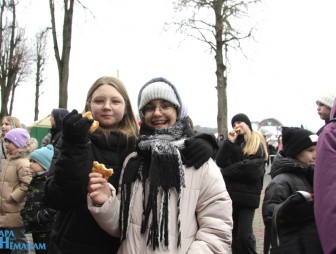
pixel 63 60
pixel 14 58
pixel 40 60
pixel 219 35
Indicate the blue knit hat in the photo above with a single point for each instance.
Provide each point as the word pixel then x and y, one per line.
pixel 18 136
pixel 43 156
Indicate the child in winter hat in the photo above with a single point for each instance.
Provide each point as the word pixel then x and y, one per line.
pixel 288 205
pixel 43 156
pixel 327 99
pixel 295 140
pixel 18 136
pixel 38 219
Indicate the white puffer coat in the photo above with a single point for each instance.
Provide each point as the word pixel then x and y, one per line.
pixel 206 215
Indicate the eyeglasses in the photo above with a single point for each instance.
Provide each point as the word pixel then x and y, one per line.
pixel 165 108
pixel 101 101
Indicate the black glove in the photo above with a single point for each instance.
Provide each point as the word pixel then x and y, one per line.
pixel 299 197
pixel 76 127
pixel 297 208
pixel 45 216
pixel 198 150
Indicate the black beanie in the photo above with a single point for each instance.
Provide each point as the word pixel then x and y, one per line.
pixel 295 140
pixel 241 118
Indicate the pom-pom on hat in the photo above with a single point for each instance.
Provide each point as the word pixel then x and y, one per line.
pixel 18 136
pixel 160 88
pixel 43 156
pixel 327 99
pixel 241 118
pixel 295 140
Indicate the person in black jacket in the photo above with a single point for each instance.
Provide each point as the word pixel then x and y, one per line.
pixel 242 160
pixel 75 230
pixel 288 207
pixel 55 132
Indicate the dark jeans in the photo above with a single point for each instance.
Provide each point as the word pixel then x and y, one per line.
pixel 243 239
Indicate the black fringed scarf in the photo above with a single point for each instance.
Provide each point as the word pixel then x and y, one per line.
pixel 158 161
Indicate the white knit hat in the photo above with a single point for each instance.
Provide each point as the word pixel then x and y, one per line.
pixel 160 88
pixel 327 99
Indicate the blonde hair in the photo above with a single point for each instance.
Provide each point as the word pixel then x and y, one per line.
pixel 254 140
pixel 13 121
pixel 128 125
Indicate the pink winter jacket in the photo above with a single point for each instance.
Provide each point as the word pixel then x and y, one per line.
pixel 206 215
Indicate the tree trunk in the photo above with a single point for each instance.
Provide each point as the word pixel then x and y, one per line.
pixel 64 60
pixel 220 70
pixel 37 86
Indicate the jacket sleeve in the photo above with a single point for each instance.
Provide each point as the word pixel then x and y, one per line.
pixel 325 187
pixel 67 187
pixel 214 214
pixel 275 194
pixel 25 176
pixel 107 216
pixel 248 170
pixel 296 209
pixel 225 154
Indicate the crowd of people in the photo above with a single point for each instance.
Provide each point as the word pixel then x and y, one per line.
pixel 173 189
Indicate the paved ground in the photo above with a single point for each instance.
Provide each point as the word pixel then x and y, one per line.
pixel 258 224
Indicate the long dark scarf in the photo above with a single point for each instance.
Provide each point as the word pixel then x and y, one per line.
pixel 159 162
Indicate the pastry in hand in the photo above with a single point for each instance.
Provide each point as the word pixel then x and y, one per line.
pixel 237 130
pixel 95 123
pixel 101 169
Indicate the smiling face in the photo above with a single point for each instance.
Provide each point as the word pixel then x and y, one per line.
pixel 160 114
pixel 107 106
pixel 308 155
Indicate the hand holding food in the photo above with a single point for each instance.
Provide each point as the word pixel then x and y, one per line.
pixel 101 169
pixel 75 127
pixel 95 123
pixel 232 135
pixel 237 130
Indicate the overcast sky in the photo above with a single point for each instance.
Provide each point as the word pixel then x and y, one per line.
pixel 290 61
